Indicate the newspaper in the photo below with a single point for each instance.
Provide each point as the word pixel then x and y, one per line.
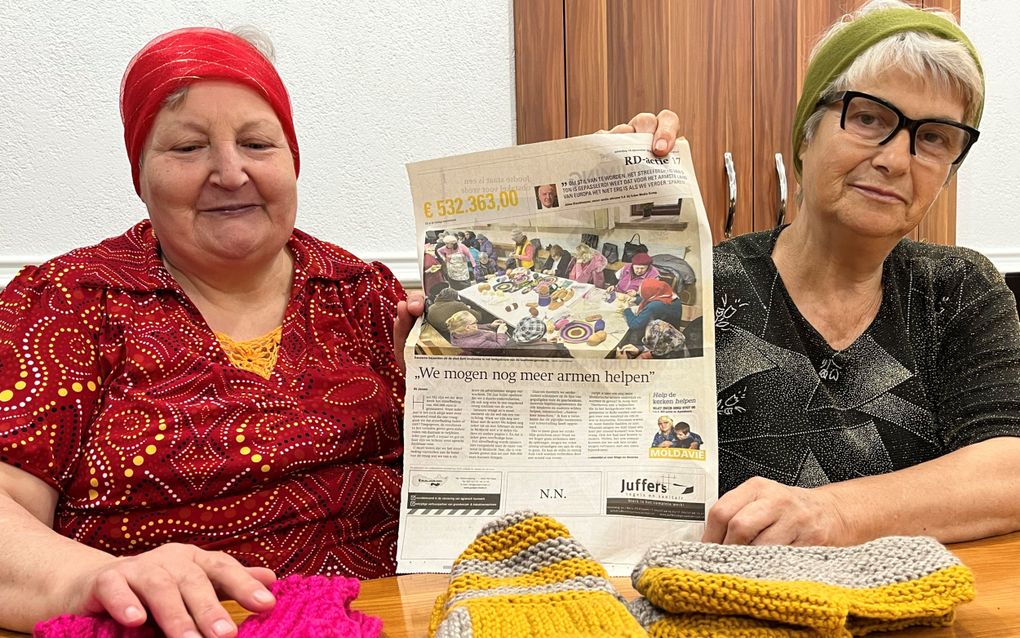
pixel 559 372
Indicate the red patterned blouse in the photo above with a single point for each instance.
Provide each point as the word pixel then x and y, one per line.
pixel 115 391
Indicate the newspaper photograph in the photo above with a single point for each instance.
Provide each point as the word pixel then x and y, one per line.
pixel 566 360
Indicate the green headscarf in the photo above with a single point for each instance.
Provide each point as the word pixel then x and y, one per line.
pixel 851 41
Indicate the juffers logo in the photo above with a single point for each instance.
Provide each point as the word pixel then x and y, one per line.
pixel 643 485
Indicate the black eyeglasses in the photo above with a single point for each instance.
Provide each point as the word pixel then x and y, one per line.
pixel 874 120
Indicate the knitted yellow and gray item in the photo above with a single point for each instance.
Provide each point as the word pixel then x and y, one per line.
pixel 889 583
pixel 661 624
pixel 524 575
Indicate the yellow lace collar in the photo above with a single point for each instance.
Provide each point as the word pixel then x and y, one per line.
pixel 256 355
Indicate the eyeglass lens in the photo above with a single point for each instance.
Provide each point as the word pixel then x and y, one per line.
pixel 875 122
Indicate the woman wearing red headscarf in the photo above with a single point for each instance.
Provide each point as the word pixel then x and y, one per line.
pixel 655 300
pixel 213 396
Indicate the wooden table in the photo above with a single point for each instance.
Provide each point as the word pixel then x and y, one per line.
pixel 405 602
pixel 511 307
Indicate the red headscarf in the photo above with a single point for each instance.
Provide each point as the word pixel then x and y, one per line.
pixel 654 290
pixel 181 58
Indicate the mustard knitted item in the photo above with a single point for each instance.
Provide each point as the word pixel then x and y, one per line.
pixel 524 575
pixel 889 583
pixel 661 624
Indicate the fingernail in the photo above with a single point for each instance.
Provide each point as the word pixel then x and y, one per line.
pixel 660 145
pixel 132 613
pixel 222 627
pixel 263 596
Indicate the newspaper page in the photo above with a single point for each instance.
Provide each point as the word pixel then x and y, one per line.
pixel 566 362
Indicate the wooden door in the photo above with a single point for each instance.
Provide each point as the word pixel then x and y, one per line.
pixel 623 57
pixel 784 33
pixel 538 39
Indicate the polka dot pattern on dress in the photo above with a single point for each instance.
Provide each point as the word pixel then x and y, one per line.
pixel 114 390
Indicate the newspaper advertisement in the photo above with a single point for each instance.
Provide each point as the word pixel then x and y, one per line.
pixel 566 360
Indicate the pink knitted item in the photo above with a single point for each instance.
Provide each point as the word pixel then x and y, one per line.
pixel 90 627
pixel 305 607
pixel 313 607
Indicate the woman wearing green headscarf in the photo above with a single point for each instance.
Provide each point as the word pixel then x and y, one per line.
pixel 868 385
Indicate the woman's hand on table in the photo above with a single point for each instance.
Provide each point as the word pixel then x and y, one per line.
pixel 664 127
pixel 407 312
pixel 764 512
pixel 180 585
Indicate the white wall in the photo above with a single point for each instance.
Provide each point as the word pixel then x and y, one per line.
pixel 373 85
pixel 988 199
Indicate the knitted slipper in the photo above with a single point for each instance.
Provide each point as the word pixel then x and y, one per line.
pixel 305 606
pixel 891 582
pixel 661 624
pixel 524 575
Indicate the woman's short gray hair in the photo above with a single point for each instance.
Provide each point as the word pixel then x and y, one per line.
pixel 253 36
pixel 945 63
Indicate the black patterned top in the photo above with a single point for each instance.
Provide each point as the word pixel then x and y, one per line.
pixel 938 368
